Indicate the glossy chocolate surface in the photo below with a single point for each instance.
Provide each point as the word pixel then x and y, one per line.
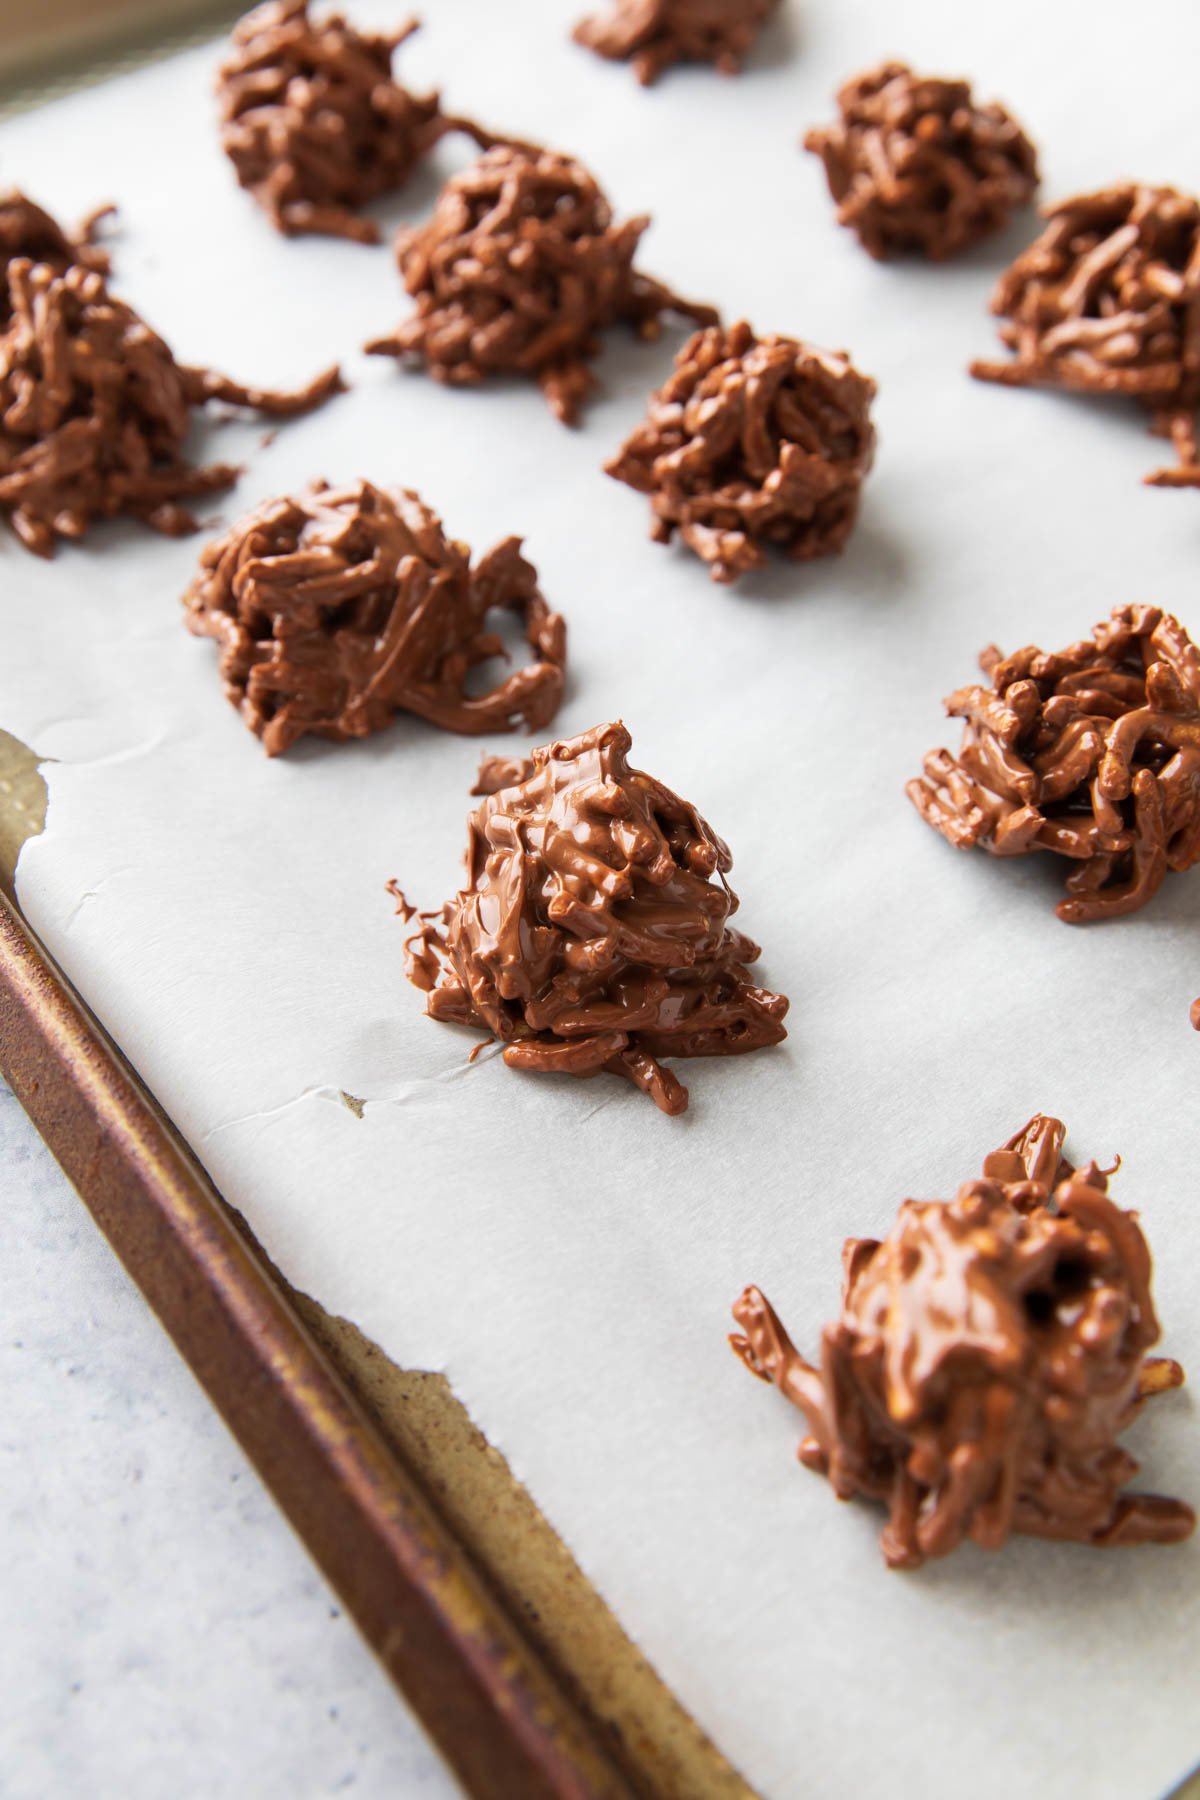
pixel 519 269
pixel 592 932
pixel 1107 301
pixel 337 610
pixel 1091 753
pixel 752 443
pixel 656 34
pixel 989 1352
pixel 94 411
pixel 314 123
pixel 916 165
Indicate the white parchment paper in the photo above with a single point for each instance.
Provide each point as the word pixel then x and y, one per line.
pixel 566 1254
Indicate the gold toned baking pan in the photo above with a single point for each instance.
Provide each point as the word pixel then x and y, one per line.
pixel 481 1691
pixel 64 43
pixel 515 1665
pixel 480 1615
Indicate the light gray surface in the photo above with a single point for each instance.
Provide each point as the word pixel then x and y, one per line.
pixel 165 1634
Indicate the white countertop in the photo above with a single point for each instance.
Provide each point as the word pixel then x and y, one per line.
pixel 164 1631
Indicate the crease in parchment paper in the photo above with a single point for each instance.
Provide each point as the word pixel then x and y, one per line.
pixel 561 1251
pixel 93 893
pixel 357 1104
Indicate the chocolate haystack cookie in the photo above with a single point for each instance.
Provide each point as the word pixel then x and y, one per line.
pixel 1092 753
pixel 660 33
pixel 94 411
pixel 989 1353
pixel 916 166
pixel 1107 301
pixel 313 122
pixel 593 933
pixel 753 442
pixel 518 271
pixel 27 230
pixel 336 611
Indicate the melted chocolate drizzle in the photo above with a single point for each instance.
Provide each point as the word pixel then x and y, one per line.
pixel 989 1353
pixel 338 610
pixel 592 932
pixel 656 34
pixel 518 271
pixel 314 123
pixel 1092 753
pixel 27 230
pixel 915 164
pixel 1107 301
pixel 94 411
pixel 752 442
